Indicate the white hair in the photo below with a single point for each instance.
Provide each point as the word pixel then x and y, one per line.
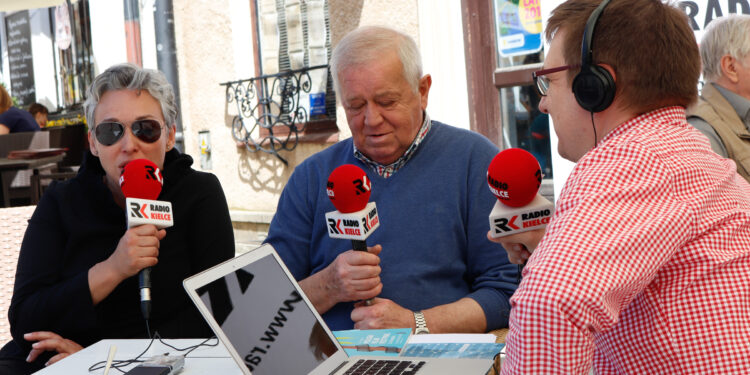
pixel 131 77
pixel 370 43
pixel 729 35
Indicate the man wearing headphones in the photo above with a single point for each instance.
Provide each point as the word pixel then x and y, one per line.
pixel 644 267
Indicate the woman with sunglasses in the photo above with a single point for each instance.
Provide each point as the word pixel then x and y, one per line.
pixel 77 276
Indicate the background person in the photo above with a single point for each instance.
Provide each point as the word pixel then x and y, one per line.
pixel 722 112
pixel 40 113
pixel 12 119
pixel 76 281
pixel 429 183
pixel 647 256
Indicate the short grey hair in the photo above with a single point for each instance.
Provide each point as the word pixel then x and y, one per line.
pixel 131 77
pixel 368 43
pixel 729 35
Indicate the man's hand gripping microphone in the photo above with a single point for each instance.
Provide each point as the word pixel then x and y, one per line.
pixel 355 218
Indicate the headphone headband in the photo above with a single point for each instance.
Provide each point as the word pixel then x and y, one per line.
pixel 587 54
pixel 593 87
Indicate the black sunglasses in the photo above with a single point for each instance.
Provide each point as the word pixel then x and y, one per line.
pixel 147 130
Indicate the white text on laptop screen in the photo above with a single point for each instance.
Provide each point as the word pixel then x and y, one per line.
pixel 266 320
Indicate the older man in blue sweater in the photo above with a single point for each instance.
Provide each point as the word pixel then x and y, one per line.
pixel 431 267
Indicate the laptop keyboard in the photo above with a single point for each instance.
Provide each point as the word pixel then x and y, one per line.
pixel 384 367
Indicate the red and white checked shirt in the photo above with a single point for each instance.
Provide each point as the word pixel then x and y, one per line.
pixel 645 266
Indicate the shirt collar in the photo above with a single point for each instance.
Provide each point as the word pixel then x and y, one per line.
pixel 740 104
pixel 386 171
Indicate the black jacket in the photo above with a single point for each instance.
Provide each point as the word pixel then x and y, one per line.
pixel 77 224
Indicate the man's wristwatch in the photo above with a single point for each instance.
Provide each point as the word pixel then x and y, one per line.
pixel 421 323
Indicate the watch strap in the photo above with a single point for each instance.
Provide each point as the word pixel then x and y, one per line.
pixel 420 323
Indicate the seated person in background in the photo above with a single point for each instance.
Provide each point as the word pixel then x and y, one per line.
pixel 12 119
pixel 647 256
pixel 77 277
pixel 40 113
pixel 723 110
pixel 429 182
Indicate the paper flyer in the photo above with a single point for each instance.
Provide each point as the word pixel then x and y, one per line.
pixel 453 350
pixel 379 342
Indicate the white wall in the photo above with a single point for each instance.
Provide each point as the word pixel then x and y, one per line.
pixel 107 33
pixel 242 39
pixel 561 167
pixel 42 50
pixel 442 44
pixel 148 34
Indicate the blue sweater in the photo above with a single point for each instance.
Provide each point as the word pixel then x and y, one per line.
pixel 18 120
pixel 433 225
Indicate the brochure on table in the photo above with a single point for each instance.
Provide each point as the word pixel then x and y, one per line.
pixel 386 342
pixel 400 342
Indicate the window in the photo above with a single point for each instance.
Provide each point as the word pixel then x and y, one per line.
pixel 294 35
pixel 74 59
pixel 499 64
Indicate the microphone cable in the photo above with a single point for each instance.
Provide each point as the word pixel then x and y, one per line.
pixel 148 329
pixel 120 363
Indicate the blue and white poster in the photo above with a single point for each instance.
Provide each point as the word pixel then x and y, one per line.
pixel 518 27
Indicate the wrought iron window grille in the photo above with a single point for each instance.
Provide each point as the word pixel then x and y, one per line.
pixel 269 108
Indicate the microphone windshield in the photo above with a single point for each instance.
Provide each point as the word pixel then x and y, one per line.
pixel 514 177
pixel 348 188
pixel 141 179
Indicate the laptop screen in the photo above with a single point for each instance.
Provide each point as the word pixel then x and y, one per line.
pixel 266 320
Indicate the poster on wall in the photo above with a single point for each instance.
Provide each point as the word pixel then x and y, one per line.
pixel 20 60
pixel 518 27
pixel 63 35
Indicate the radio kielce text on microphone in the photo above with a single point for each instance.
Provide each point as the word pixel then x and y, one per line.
pixel 141 182
pixel 514 177
pixel 355 218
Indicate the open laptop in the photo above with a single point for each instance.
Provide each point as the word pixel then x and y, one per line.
pixel 269 327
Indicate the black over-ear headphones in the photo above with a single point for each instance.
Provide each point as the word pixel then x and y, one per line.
pixel 593 87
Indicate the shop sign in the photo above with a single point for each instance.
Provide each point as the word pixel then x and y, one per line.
pixel 702 12
pixel 20 61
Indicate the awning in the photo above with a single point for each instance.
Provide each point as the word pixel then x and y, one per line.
pixel 15 5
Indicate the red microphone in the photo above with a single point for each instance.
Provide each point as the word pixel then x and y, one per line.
pixel 355 218
pixel 142 179
pixel 514 177
pixel 141 183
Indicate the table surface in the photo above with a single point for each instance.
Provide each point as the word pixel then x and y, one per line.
pixel 6 163
pixel 203 360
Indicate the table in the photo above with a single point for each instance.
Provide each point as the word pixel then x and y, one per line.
pixel 204 360
pixel 9 166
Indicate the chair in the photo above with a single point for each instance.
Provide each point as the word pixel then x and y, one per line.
pixel 13 222
pixel 18 183
pixel 27 183
pixel 72 137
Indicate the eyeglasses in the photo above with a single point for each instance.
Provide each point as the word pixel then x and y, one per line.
pixel 542 83
pixel 147 130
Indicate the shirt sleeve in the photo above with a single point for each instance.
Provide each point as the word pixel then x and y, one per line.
pixel 612 231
